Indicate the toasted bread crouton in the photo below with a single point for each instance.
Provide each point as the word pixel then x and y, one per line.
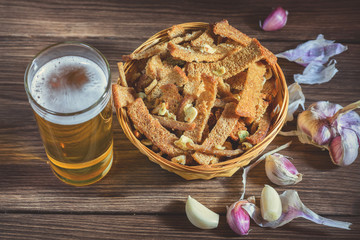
pixel 251 95
pixel 157 49
pixel 194 87
pixel 214 151
pixel 260 109
pixel 239 126
pixel 218 134
pixel 153 66
pixel 262 129
pixel 204 38
pixel 175 31
pixel 204 104
pixel 122 78
pixel 234 63
pixel 123 96
pixel 169 75
pixel 165 74
pixel 151 87
pixel 209 54
pixel 175 125
pixel 237 81
pixel 170 94
pixel 160 48
pixel 223 29
pixel 152 129
pixel 188 37
pixel 268 56
pixel 143 81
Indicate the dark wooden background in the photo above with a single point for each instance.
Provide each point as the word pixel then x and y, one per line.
pixel 138 199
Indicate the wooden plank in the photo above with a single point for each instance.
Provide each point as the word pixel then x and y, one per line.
pixel 60 226
pixel 140 19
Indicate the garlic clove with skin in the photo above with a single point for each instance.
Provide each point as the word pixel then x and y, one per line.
pixel 276 20
pixel 281 171
pixel 199 215
pixel 237 218
pixel 344 149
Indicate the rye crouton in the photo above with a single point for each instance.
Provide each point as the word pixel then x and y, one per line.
pixel 123 96
pixel 263 126
pixel 251 94
pixel 218 134
pixel 233 63
pixel 204 104
pixel 152 129
pixel 225 30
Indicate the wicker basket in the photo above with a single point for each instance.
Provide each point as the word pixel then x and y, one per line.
pixel 222 169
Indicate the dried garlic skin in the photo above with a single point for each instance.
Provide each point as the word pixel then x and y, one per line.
pixel 281 171
pixel 237 218
pixel 296 99
pixel 318 50
pixel 200 216
pixel 270 204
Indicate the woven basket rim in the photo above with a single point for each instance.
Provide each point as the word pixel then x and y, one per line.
pixel 206 170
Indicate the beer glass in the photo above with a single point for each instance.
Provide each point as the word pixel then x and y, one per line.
pixel 69 89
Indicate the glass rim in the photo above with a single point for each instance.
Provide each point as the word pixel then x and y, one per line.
pixel 98 101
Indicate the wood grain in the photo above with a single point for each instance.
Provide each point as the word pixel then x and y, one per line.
pixel 138 199
pixel 65 226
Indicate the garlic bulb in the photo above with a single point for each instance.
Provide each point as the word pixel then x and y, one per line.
pixel 329 126
pixel 281 171
pixel 237 218
pixel 199 215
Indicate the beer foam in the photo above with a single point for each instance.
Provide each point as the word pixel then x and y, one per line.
pixel 51 90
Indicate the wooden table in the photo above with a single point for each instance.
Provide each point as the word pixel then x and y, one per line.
pixel 138 199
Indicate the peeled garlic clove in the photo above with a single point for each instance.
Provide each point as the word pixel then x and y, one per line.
pixel 281 171
pixel 344 149
pixel 237 218
pixel 199 215
pixel 270 204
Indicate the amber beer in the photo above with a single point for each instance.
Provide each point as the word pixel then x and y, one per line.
pixel 68 86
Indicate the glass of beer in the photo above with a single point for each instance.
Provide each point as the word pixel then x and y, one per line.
pixel 69 89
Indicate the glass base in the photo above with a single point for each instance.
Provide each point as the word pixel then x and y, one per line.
pixel 84 182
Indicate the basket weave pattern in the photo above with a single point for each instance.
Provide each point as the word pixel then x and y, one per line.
pixel 222 169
